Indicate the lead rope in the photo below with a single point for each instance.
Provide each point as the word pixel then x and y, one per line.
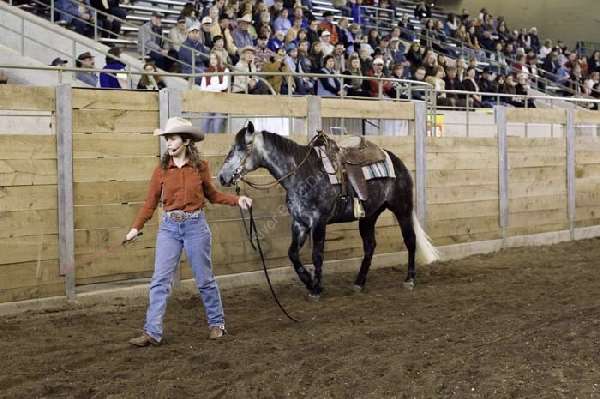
pixel 254 231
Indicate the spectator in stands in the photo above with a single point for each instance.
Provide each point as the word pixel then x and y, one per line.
pixel 522 89
pixel 190 14
pixel 3 78
pixel 282 22
pixel 375 85
pixel 423 10
pixel 151 82
pixel 534 42
pixel 430 64
pixel 313 31
pixel 326 44
pixel 299 16
pixel 206 36
pixel 59 62
pixel 214 122
pixel 219 49
pixel 339 55
pixel 344 34
pixel 437 81
pixel 354 85
pixel 248 84
pixel 111 23
pixel 451 25
pixel 177 34
pixel 469 84
pixel 328 25
pixel 114 80
pixel 396 50
pixel 594 62
pixel 419 75
pixel 263 53
pixel 487 84
pixel 83 20
pixel 241 36
pixel 150 42
pixel 276 64
pixel 328 87
pixel 487 42
pixel 551 63
pixel 414 56
pixel 545 49
pixel 373 38
pixel 193 54
pixel 277 41
pixel 317 58
pixel 86 61
pixel 225 32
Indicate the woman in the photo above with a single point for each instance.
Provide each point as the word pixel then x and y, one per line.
pixel 469 84
pixel 182 181
pixel 214 122
pixel 328 86
pixel 151 82
pixel 355 86
pixel 437 81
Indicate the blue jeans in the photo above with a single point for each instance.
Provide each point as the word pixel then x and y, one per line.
pixel 194 235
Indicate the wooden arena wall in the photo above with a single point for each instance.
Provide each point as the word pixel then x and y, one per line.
pixel 114 153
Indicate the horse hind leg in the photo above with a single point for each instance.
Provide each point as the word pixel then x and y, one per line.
pixel 410 240
pixel 299 235
pixel 367 233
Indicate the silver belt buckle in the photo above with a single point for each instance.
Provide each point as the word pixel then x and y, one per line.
pixel 177 216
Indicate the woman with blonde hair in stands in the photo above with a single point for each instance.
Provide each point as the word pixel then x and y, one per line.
pixel 214 122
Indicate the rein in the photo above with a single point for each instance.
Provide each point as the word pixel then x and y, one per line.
pixel 253 231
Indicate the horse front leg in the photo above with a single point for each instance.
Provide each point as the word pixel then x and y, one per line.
pixel 299 235
pixel 318 236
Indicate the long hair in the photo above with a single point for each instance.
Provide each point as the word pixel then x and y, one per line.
pixel 192 153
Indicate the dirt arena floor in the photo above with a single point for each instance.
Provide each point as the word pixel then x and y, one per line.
pixel 523 323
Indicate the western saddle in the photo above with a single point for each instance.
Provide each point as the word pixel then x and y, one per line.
pixel 349 155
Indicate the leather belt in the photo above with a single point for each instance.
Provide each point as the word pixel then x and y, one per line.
pixel 181 216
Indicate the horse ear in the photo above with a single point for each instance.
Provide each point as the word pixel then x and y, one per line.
pixel 250 127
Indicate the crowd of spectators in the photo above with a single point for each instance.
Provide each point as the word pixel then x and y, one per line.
pixel 284 36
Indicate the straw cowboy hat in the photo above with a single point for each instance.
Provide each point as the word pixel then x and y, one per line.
pixel 246 18
pixel 178 125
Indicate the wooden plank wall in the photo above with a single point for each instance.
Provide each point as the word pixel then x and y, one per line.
pixel 114 154
pixel 28 202
pixel 587 181
pixel 537 185
pixel 462 189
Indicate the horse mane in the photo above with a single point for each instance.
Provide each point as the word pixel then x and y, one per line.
pixel 289 146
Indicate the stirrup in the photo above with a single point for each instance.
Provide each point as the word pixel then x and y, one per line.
pixel 359 210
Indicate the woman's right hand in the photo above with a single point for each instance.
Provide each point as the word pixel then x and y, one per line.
pixel 131 235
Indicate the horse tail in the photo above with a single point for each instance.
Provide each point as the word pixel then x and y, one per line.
pixel 426 252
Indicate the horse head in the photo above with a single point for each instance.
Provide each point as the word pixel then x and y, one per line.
pixel 242 157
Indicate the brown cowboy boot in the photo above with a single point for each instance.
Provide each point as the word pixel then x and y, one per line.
pixel 144 340
pixel 216 332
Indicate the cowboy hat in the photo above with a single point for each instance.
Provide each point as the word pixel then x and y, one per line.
pixel 178 125
pixel 247 48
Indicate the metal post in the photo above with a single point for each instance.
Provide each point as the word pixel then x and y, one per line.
pixel 467 116
pixel 23 36
pixel 193 68
pixel 380 95
pixel 52 11
pixel 313 116
pixel 570 133
pixel 502 169
pixel 420 132
pixel 526 124
pixel 290 81
pixel 96 31
pixel 64 152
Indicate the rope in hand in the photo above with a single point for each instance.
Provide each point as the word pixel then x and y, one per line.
pixel 253 231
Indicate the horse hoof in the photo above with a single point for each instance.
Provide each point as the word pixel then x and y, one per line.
pixel 410 284
pixel 314 297
pixel 358 288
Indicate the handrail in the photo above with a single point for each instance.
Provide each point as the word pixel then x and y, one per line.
pixel 123 22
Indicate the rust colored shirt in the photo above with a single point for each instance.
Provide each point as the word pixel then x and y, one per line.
pixel 182 189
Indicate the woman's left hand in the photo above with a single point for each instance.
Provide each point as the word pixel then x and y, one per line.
pixel 245 202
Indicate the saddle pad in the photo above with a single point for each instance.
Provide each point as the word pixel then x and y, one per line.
pixel 373 171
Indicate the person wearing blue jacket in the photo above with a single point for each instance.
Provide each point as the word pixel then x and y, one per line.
pixel 193 52
pixel 112 80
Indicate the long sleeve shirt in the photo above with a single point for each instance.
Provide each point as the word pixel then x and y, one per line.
pixel 183 189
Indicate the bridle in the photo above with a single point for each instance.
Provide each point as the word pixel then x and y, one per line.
pixel 240 173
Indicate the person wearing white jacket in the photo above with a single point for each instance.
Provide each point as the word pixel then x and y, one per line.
pixel 214 122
